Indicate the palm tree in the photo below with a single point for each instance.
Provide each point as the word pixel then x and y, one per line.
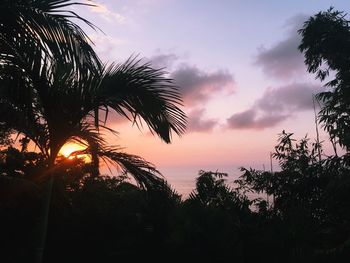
pixel 56 104
pixel 53 87
pixel 41 30
pixel 47 65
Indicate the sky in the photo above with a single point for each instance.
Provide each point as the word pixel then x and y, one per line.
pixel 238 68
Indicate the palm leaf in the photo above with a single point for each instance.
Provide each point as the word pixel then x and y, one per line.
pixel 145 93
pixel 145 174
pixel 46 26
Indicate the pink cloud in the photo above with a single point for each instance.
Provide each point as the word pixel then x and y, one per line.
pixel 198 123
pixel 198 86
pixel 275 106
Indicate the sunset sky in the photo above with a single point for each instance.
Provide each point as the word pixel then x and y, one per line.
pixel 236 62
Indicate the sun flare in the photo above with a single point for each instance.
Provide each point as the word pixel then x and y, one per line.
pixel 71 147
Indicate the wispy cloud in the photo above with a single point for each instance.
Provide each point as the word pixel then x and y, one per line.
pixel 106 46
pixel 107 13
pixel 275 106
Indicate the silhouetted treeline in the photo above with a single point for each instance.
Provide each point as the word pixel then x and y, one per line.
pixel 303 214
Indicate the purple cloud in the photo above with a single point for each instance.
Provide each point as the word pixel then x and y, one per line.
pixel 275 106
pixel 197 122
pixel 295 97
pixel 163 60
pixel 197 86
pixel 283 60
pixel 250 119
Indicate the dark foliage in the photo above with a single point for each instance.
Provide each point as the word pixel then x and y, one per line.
pixel 325 44
pixel 305 219
pixel 301 214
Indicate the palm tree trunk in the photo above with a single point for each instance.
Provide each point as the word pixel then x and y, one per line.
pixel 46 200
pixel 94 160
pixel 94 148
pixel 44 219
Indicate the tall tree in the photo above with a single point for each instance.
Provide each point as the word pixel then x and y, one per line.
pixel 53 86
pixel 326 47
pixel 56 105
pixel 41 31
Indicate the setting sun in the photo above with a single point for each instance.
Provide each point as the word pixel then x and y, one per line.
pixel 71 147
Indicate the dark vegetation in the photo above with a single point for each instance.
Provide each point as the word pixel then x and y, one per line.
pixel 302 214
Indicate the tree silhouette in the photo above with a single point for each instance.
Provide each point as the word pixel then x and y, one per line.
pixel 53 87
pixel 133 90
pixel 325 44
pixel 51 95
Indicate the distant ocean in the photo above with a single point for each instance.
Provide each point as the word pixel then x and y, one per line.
pixel 183 180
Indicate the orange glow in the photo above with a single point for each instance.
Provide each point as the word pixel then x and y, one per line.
pixel 71 147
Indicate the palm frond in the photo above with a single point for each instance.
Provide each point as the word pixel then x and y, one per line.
pixel 144 92
pixel 18 107
pixel 144 173
pixel 46 26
